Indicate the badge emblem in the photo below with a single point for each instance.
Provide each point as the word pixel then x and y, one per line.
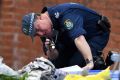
pixel 68 24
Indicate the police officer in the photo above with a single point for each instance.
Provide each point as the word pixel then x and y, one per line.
pixel 75 32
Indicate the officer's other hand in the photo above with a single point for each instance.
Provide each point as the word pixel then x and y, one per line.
pixel 89 66
pixel 52 55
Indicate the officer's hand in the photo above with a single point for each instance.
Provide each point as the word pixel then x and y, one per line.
pixel 47 43
pixel 89 66
pixel 52 53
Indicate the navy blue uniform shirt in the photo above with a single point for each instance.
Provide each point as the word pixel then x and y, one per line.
pixel 73 20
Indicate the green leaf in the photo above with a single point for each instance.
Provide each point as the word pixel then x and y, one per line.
pixel 7 77
pixel 24 76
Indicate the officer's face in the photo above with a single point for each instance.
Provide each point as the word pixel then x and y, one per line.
pixel 42 26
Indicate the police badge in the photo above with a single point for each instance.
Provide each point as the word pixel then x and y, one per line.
pixel 68 24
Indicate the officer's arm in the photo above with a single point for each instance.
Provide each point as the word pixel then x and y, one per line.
pixel 84 48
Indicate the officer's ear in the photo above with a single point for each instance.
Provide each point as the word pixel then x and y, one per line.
pixel 37 15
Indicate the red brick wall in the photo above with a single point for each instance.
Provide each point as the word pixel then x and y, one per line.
pixel 18 50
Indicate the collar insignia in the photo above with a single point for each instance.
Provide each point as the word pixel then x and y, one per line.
pixel 57 14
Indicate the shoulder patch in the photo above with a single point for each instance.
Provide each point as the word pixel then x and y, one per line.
pixel 68 24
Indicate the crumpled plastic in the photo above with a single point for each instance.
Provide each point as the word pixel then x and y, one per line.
pixel 40 69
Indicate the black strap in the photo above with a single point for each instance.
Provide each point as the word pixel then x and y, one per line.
pixel 43 41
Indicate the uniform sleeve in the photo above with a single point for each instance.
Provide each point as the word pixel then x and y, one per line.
pixel 73 23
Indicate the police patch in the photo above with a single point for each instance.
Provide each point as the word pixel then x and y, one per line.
pixel 68 24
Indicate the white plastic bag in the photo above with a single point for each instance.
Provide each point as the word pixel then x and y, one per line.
pixel 4 69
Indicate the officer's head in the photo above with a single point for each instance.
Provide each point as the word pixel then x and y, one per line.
pixel 36 25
